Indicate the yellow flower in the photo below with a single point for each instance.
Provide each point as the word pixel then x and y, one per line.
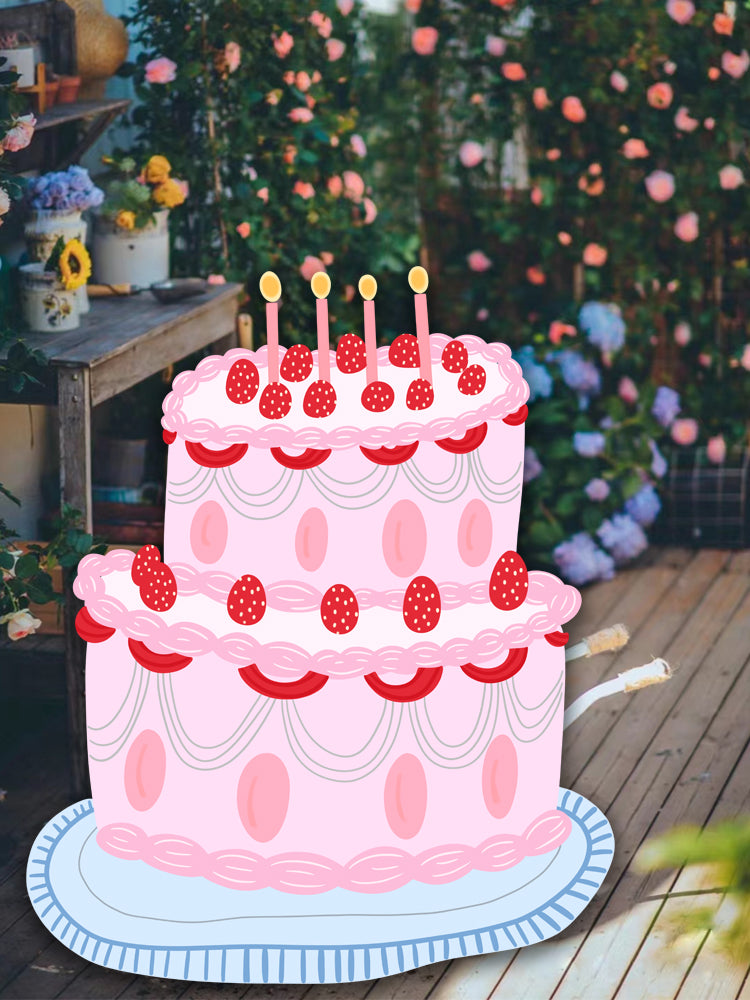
pixel 125 219
pixel 157 169
pixel 169 194
pixel 75 265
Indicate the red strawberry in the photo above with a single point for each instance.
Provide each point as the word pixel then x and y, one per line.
pixel 320 399
pixel 243 381
pixel 159 590
pixel 377 397
pixel 472 381
pixel 455 356
pixel 168 437
pixel 275 401
pixel 339 610
pixel 420 394
pixel 509 582
pixel 421 604
pixel 147 559
pixel 246 603
pixel 297 363
pixel 404 351
pixel 350 354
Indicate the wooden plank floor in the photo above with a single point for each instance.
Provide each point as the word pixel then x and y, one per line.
pixel 672 754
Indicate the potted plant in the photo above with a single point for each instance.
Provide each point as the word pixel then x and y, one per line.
pixel 131 235
pixel 49 300
pixel 18 51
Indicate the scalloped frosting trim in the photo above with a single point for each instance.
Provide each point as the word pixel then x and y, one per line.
pixel 278 434
pixel 381 869
pixel 559 603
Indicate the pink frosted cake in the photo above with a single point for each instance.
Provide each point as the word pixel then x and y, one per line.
pixel 342 674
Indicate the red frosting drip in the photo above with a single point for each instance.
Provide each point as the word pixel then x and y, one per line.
pixel 282 690
pixel 469 442
pixel 390 456
pixel 510 666
pixel 90 630
pixel 215 459
pixel 159 663
pixel 169 437
pixel 309 458
pixel 557 638
pixel 422 683
pixel 519 417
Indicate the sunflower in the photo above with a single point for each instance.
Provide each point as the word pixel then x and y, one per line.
pixel 74 265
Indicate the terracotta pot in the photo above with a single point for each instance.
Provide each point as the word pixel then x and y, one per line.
pixel 69 87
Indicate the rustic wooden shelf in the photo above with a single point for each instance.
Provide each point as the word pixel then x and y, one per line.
pixel 61 114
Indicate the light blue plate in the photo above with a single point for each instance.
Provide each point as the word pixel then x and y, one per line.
pixel 128 916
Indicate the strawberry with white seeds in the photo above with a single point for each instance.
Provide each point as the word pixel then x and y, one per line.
pixel 159 589
pixel 377 397
pixel 351 355
pixel 472 380
pixel 339 610
pixel 246 603
pixel 404 351
pixel 320 399
pixel 420 395
pixel 509 583
pixel 421 608
pixel 147 559
pixel 243 381
pixel 297 363
pixel 455 357
pixel 275 401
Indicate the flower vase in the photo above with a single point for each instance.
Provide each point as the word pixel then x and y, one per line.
pixel 47 306
pixel 131 256
pixel 44 228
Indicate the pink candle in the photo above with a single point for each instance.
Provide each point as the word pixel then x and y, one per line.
pixel 270 289
pixel 368 286
pixel 418 282
pixel 321 286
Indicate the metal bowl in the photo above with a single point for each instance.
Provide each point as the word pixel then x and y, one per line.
pixel 176 289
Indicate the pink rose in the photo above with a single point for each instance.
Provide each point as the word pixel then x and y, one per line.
pixel 618 81
pixel 553 155
pixel 540 99
pixel 686 227
pixel 471 153
pixel 565 239
pixel 716 449
pixel 684 431
pixel 300 115
pixel 635 149
pixel 334 140
pixel 573 110
pixel 731 177
pixel 283 45
pixel 495 46
pixel 502 3
pixel 682 334
pixel 660 185
pixel 735 65
pixel 745 358
pixel 681 11
pixel 263 194
pixel 513 71
pixel 20 134
pixel 232 56
pixel 335 186
pixel 290 154
pixel 537 195
pixel 345 7
pixel 289 78
pixel 354 186
pixel 359 148
pixel 327 257
pixel 335 49
pixel 723 24
pixel 161 70
pixel 244 230
pixel 371 212
pixel 273 97
pixel 323 23
pixel 424 40
pixel 316 77
pixel 669 67
pixel 310 266
pixel 714 72
pixel 478 261
pixel 684 122
pixel 413 6
pixel 594 255
pixel 304 189
pixel 216 279
pixel 483 314
pixel 303 81
pixel 348 293
pixel 659 95
pixel 709 123
pixel 20 624
pixel 627 390
pixel 704 359
pixel 558 330
pixel 535 275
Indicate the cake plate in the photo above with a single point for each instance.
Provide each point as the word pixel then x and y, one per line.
pixel 128 916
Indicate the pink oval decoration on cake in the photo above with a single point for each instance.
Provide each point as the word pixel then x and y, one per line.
pixel 145 768
pixel 500 776
pixel 263 796
pixel 208 532
pixel 311 540
pixel 475 533
pixel 406 796
pixel 404 538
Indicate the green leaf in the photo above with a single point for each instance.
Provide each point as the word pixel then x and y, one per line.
pixel 27 566
pixel 6 560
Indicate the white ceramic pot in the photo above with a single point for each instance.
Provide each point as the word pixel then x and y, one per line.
pixel 134 256
pixel 20 60
pixel 44 228
pixel 47 305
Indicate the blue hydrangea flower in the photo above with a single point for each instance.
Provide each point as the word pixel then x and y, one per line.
pixel 580 375
pixel 597 489
pixel 78 178
pixel 666 405
pixel 658 461
pixel 644 506
pixel 603 325
pixel 588 443
pixel 580 560
pixel 622 537
pixel 538 378
pixel 532 467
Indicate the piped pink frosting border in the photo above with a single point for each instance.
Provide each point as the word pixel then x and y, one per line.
pixel 381 869
pixel 555 601
pixel 278 434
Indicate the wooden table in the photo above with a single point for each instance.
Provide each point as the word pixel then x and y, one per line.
pixel 119 343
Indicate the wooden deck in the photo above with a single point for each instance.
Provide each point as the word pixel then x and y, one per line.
pixel 673 754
